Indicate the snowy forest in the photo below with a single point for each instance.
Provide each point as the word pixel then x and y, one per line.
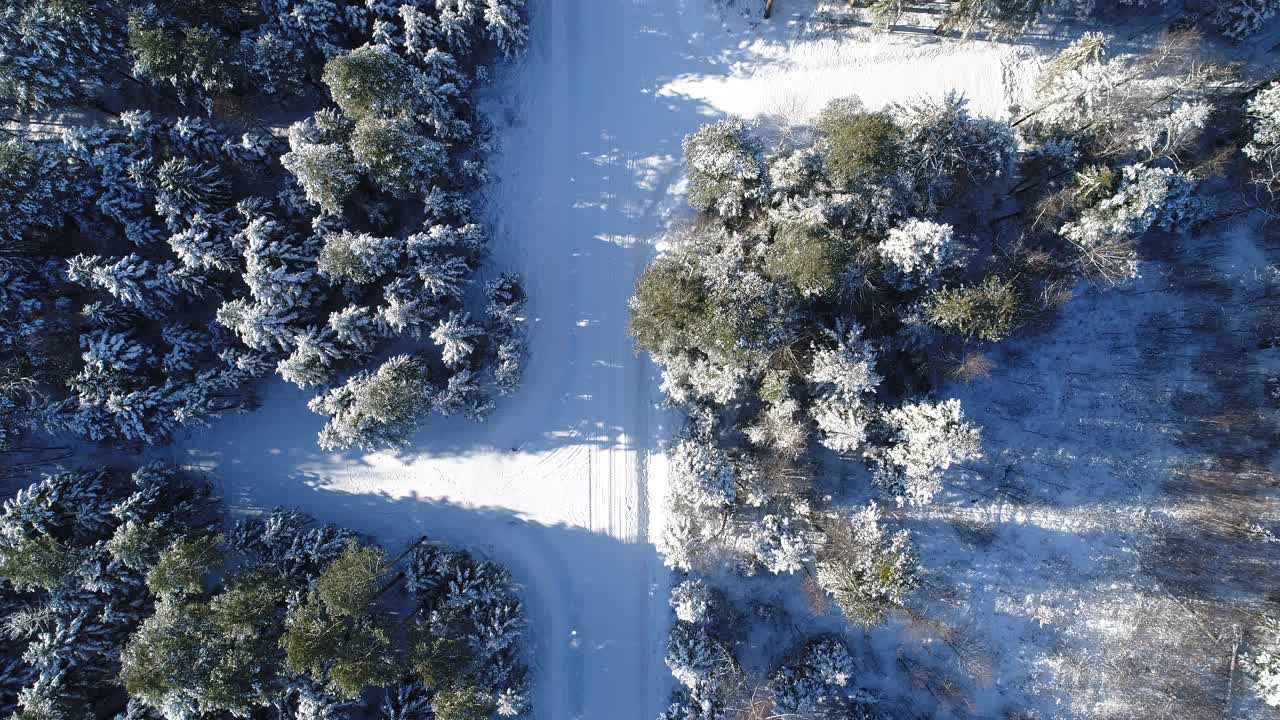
pixel 164 250
pixel 195 197
pixel 639 359
pixel 123 595
pixel 841 273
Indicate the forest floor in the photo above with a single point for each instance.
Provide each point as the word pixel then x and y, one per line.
pixel 564 483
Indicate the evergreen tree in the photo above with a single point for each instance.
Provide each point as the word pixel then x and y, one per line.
pixel 866 570
pixel 376 410
pixel 1264 147
pixel 51 53
pixel 726 168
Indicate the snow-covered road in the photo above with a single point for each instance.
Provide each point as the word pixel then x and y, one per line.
pixel 563 484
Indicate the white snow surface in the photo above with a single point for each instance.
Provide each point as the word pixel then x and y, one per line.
pixel 564 483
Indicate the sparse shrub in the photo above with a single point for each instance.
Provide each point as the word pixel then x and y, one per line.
pixel 987 311
pixel 1264 147
pixel 1263 662
pixel 865 569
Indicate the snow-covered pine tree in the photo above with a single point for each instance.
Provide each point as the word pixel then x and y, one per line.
pixel 726 168
pixel 456 335
pixel 922 440
pixel 376 410
pixel 916 252
pixel 866 570
pixel 1264 147
pixel 53 52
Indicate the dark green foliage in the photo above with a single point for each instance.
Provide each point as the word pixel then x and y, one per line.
pixel 35 562
pixel 156 48
pixel 987 312
pixel 669 308
pixel 806 257
pixel 398 158
pixel 349 586
pixel 193 59
pixel 336 635
pixel 460 703
pixel 222 654
pixel 859 145
pixel 368 81
pixel 439 661
pixel 182 567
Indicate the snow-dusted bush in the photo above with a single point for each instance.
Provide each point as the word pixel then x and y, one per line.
pixel 916 252
pixel 780 426
pixel 946 148
pixel 922 441
pixel 726 168
pixel 1264 147
pixel 842 376
pixel 1147 197
pixel 781 545
pixel 867 570
pixel 700 473
pixel 695 602
pixel 698 660
pixel 1263 663
pixel 815 682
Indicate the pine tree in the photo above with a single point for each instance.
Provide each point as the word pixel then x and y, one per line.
pixel 357 258
pixel 866 570
pixel 456 337
pixel 726 168
pixel 371 81
pixel 505 26
pixel 1264 147
pixel 321 163
pixel 695 602
pixel 698 660
pixel 32 186
pixel 143 284
pixel 376 410
pixel 53 52
pixel 312 361
pixel 397 157
pixel 916 252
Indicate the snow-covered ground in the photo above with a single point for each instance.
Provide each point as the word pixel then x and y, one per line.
pixel 564 483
